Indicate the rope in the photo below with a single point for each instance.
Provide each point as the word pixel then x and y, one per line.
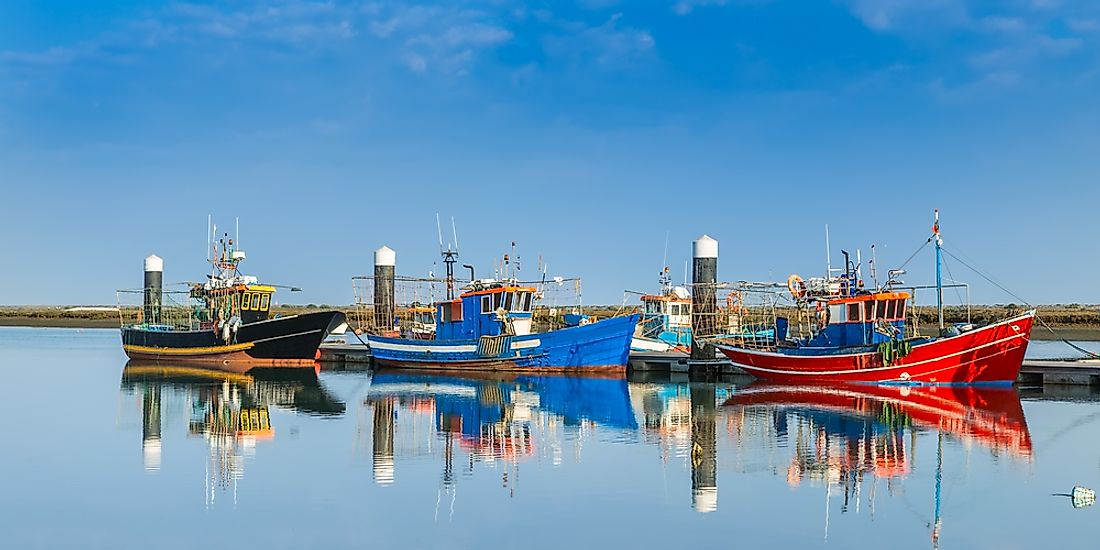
pixel 1026 303
pixel 914 255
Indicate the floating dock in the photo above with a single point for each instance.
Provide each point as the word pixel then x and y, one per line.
pixel 341 352
pixel 1035 372
pixel 1070 372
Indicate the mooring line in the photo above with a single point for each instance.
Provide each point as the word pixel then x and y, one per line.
pixel 1041 321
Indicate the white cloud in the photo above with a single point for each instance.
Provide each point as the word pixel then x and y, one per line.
pixel 892 15
pixel 51 56
pixel 608 45
pixel 1083 26
pixel 684 7
pixel 438 39
pixel 1001 23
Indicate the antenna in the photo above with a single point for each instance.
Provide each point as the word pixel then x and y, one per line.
pixel 828 258
pixel 208 237
pixel 455 231
pixel 664 259
pixel 874 268
pixel 439 229
pixel 238 240
pixel 450 257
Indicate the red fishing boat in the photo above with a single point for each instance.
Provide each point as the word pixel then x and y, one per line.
pixel 861 335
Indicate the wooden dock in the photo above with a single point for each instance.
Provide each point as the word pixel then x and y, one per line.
pixel 1035 372
pixel 1072 372
pixel 340 352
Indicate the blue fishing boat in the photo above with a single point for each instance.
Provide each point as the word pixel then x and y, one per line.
pixel 488 327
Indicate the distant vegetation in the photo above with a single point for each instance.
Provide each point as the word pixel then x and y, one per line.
pixel 1069 316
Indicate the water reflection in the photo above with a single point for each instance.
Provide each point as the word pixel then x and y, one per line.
pixel 230 411
pixel 854 444
pixel 842 437
pixel 468 419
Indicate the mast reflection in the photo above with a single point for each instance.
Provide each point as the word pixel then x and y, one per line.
pixel 230 411
pixel 843 435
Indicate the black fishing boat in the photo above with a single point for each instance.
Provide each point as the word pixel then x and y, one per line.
pixel 226 319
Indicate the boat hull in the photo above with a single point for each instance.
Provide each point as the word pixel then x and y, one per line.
pixel 990 354
pixel 603 346
pixel 290 341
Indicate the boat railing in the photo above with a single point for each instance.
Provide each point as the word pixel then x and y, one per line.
pixel 175 311
pixel 408 310
pixel 402 306
pixel 764 315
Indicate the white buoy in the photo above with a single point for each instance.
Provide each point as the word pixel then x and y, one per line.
pixel 385 256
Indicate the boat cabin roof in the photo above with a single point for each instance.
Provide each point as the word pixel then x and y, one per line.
pixel 665 298
pixel 241 288
pixel 870 297
pixel 497 290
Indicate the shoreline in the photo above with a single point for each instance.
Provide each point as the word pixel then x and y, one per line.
pixel 1039 333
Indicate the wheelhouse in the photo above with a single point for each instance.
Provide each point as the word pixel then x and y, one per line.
pixel 251 302
pixel 667 317
pixel 489 309
pixel 861 319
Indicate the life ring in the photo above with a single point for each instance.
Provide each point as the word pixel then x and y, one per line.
pixel 797 286
pixel 734 302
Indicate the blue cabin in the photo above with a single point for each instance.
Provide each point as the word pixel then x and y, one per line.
pixel 667 317
pixel 861 319
pixel 492 308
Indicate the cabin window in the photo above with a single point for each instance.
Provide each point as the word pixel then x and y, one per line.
pixel 497 299
pixel 246 300
pixel 853 312
pixel 517 304
pixel 255 302
pixel 265 302
pixel 881 310
pixel 508 301
pixel 526 301
pixel 901 309
pixel 834 314
pixel 456 311
pixel 674 309
pixel 444 313
pixel 892 309
pixel 486 304
pixel 869 310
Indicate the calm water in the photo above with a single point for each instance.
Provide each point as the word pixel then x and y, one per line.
pixel 99 455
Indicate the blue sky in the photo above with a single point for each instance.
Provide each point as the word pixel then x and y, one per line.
pixel 586 131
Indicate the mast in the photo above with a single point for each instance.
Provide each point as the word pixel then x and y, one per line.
pixel 939 269
pixel 450 257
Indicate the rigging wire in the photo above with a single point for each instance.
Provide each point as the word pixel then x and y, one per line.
pixel 1026 303
pixel 914 255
